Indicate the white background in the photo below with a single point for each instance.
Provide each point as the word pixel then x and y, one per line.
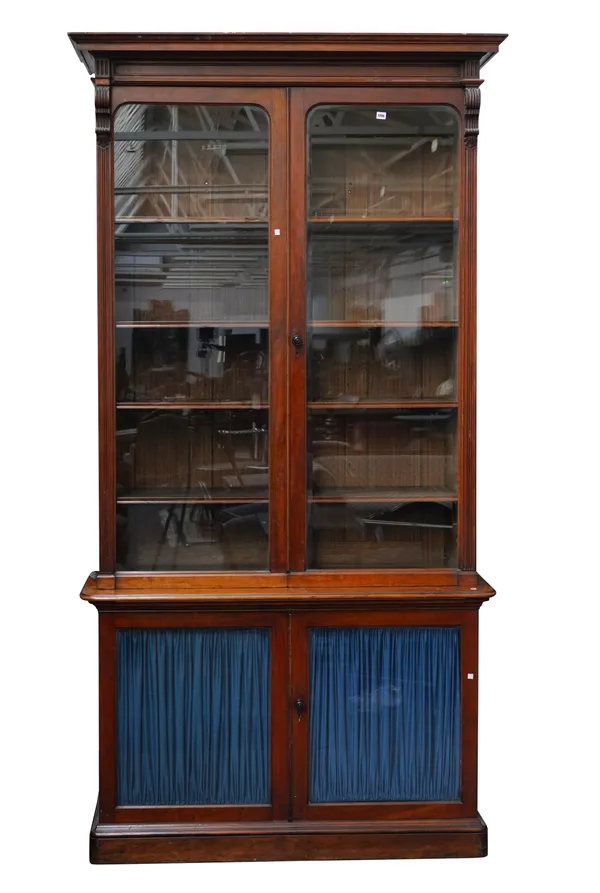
pixel 538 447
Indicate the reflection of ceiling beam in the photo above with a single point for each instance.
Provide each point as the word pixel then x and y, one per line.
pixel 224 157
pixel 251 118
pixel 149 169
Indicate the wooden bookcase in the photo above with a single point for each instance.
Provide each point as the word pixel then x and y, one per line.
pixel 287 590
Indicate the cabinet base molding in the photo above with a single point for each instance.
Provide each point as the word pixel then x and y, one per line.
pixel 287 841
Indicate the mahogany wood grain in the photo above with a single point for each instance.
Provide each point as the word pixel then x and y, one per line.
pixel 247 221
pixel 350 95
pixel 162 48
pixel 222 404
pixel 321 583
pixel 467 356
pixel 409 839
pixel 201 323
pixel 297 317
pixel 106 355
pixel 261 96
pixel 469 688
pixel 278 341
pixel 170 815
pixel 360 72
pixel 286 75
pixel 107 728
pixel 198 500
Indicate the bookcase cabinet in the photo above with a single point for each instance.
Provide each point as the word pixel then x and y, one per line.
pixel 287 589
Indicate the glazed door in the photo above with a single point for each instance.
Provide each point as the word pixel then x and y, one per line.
pixel 193 721
pixel 384 715
pixel 200 313
pixel 375 308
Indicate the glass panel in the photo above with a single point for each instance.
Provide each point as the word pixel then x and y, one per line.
pixel 191 454
pixel 193 716
pixel 175 535
pixel 180 161
pixel 201 274
pixel 368 161
pixel 350 533
pixel 382 454
pixel 382 364
pixel 192 339
pixel 382 335
pixel 384 714
pixel 382 272
pixel 161 364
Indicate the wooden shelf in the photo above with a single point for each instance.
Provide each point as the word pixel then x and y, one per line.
pixel 207 221
pixel 198 324
pixel 340 219
pixel 182 405
pixel 264 324
pixel 416 494
pixel 374 323
pixel 400 404
pixel 177 497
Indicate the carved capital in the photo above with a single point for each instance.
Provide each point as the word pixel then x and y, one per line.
pixel 101 83
pixel 472 105
pixel 471 83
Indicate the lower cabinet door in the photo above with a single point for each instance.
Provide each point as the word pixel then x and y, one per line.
pixel 197 721
pixel 198 711
pixel 385 722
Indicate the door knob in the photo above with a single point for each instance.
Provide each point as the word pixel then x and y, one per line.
pixel 299 707
pixel 297 341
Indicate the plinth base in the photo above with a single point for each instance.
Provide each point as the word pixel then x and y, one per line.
pixel 288 841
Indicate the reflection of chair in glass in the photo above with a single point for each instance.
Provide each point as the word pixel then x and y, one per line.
pixel 244 531
pixel 418 529
pixel 232 455
pixel 228 372
pixel 402 534
pixel 250 468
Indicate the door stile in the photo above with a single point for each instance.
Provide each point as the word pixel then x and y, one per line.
pixel 299 678
pixel 278 347
pixel 469 670
pixel 297 327
pixel 279 717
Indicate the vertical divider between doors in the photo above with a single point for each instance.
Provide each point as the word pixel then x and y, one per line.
pixel 300 739
pixel 278 340
pixel 297 325
pixel 279 716
pixel 288 715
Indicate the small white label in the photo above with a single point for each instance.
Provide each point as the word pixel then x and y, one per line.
pixel 434 145
pixel 470 676
pixel 277 232
pixel 381 116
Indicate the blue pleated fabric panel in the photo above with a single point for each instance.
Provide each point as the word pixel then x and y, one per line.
pixel 193 716
pixel 384 714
